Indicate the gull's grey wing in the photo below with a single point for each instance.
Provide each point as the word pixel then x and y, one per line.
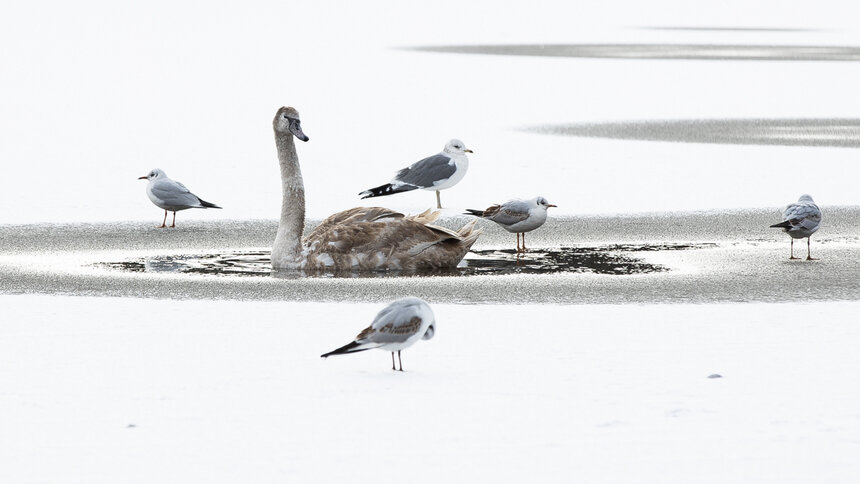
pixel 804 214
pixel 427 172
pixel 394 324
pixel 508 213
pixel 174 193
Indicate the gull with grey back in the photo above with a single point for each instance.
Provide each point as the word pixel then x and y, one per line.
pixel 516 216
pixel 801 219
pixel 171 195
pixel 438 172
pixel 397 327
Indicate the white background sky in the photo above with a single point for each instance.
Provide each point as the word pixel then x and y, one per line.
pixel 95 94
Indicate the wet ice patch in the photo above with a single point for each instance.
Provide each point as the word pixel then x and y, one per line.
pixel 614 259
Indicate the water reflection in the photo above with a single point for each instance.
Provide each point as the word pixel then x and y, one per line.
pixel 615 259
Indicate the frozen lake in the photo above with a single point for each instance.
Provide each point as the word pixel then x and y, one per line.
pixel 668 133
pixel 678 258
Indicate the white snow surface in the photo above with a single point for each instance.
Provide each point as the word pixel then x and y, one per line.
pixel 109 390
pixel 95 94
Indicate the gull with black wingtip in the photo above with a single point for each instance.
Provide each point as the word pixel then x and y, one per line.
pixel 801 219
pixel 438 172
pixel 516 216
pixel 397 327
pixel 171 195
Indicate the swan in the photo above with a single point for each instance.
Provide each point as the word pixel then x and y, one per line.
pixel 362 238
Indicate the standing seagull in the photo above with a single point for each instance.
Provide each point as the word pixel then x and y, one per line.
pixel 171 195
pixel 395 328
pixel 437 172
pixel 801 219
pixel 517 216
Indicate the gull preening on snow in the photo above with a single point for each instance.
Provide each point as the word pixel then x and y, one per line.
pixel 801 219
pixel 395 328
pixel 438 172
pixel 516 216
pixel 171 195
pixel 360 238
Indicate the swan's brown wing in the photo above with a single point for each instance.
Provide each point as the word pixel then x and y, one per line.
pixel 358 214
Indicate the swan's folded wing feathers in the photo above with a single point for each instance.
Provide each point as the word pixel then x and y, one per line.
pixel 353 215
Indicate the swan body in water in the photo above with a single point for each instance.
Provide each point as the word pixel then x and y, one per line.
pixel 362 238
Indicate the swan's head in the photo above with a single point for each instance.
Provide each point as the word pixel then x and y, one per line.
pixel 431 330
pixel 543 202
pixel 155 174
pixel 805 198
pixel 287 121
pixel 456 147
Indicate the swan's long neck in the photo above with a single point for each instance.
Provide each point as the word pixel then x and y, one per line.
pixel 286 253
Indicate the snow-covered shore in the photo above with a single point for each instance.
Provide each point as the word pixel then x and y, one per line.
pixel 111 390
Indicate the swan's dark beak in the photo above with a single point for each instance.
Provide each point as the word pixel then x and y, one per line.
pixel 142 178
pixel 468 151
pixel 296 129
pixel 551 205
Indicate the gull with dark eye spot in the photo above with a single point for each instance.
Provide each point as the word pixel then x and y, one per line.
pixel 397 327
pixel 438 172
pixel 171 195
pixel 516 216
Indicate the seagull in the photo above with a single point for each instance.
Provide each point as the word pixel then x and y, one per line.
pixel 395 328
pixel 171 195
pixel 801 219
pixel 517 216
pixel 438 172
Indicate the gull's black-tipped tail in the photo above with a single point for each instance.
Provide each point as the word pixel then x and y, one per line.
pixel 207 204
pixel 387 189
pixel 472 211
pixel 347 348
pixel 782 225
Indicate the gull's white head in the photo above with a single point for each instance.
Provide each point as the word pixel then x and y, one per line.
pixel 456 147
pixel 155 174
pixel 543 202
pixel 287 121
pixel 805 198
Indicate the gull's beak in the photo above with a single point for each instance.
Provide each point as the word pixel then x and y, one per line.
pixel 142 178
pixel 468 151
pixel 551 205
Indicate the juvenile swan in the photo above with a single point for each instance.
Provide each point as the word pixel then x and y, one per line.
pixel 363 238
